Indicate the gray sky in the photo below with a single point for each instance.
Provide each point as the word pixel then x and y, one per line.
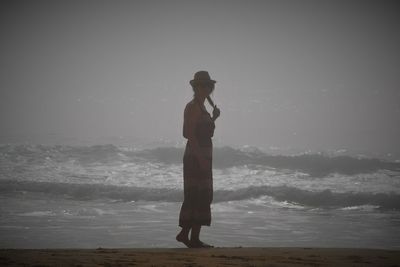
pixel 304 75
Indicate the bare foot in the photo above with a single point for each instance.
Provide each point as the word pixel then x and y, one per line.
pixel 184 239
pixel 199 244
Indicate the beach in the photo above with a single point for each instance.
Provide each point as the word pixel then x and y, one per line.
pixel 272 256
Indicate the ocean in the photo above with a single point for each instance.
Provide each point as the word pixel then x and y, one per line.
pixel 59 196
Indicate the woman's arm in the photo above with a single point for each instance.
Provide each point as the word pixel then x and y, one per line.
pixel 191 116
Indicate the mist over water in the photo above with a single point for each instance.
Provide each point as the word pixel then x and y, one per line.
pixel 293 76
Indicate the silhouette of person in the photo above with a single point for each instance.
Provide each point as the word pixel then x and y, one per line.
pixel 198 128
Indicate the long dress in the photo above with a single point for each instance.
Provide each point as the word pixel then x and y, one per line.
pixel 198 183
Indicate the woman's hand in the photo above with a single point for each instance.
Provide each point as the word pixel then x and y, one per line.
pixel 216 113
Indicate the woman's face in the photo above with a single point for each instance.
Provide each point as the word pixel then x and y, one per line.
pixel 205 89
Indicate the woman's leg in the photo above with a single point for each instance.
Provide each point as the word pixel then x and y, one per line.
pixel 195 238
pixel 194 235
pixel 183 236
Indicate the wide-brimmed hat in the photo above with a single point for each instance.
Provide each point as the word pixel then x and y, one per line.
pixel 202 77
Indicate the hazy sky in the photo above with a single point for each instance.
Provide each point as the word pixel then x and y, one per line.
pixel 316 75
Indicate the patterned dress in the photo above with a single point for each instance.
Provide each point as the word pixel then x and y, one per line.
pixel 198 183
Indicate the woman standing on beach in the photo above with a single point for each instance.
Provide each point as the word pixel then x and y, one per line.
pixel 198 128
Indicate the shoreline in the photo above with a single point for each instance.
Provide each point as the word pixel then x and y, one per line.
pixel 223 256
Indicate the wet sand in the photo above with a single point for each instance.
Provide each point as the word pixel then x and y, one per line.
pixel 276 256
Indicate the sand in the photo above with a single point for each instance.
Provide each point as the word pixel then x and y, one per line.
pixel 276 256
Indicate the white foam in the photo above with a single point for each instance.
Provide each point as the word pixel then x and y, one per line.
pixel 38 213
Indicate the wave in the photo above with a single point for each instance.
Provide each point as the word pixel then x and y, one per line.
pixel 313 164
pixel 224 157
pixel 319 199
pixel 36 154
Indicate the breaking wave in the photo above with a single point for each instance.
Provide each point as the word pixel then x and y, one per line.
pixel 319 199
pixel 224 157
pixel 313 164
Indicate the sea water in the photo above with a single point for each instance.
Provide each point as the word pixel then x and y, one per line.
pixel 58 196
